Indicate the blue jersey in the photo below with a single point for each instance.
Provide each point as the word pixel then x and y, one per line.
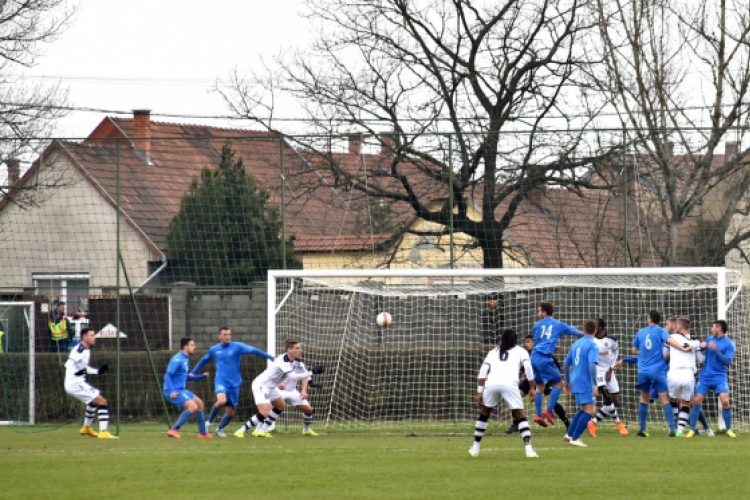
pixel 548 331
pixel 178 374
pixel 713 367
pixel 650 342
pixel 583 352
pixel 227 360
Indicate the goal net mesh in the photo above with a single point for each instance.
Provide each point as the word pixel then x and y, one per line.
pixel 421 371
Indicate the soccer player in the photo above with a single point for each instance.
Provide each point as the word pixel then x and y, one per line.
pixel 268 398
pixel 525 388
pixel 76 369
pixel 174 390
pixel 227 356
pixel 719 352
pixel 580 379
pixel 606 380
pixel 652 369
pixel 498 379
pixel 681 375
pixel 547 331
pixel 292 396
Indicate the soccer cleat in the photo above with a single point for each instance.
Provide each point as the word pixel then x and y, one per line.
pixel 591 426
pixel 106 435
pixel 567 438
pixel 710 433
pixel 672 434
pixel 474 450
pixel 530 453
pixel 621 427
pixel 205 436
pixel 239 433
pixel 643 434
pixel 219 432
pixel 88 431
pixel 548 415
pixel 173 433
pixel 731 433
pixel 512 429
pixel 539 420
pixel 309 432
pixel 577 442
pixel 690 433
pixel 678 434
pixel 262 434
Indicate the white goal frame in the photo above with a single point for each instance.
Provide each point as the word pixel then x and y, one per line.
pixel 31 322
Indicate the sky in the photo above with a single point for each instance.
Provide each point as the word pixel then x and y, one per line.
pixel 163 55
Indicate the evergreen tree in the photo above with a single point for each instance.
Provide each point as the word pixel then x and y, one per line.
pixel 225 235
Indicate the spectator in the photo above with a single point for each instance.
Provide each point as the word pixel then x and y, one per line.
pixel 59 327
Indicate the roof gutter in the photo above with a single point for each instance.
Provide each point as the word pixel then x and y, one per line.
pixel 164 263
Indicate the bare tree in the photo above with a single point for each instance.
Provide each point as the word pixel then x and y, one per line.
pixel 677 73
pixel 27 112
pixel 465 92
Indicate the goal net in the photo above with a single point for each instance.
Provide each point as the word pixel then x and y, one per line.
pixel 17 367
pixel 421 371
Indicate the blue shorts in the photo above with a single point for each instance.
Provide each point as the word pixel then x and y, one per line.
pixel 585 398
pixel 713 384
pixel 183 397
pixel 652 381
pixel 232 393
pixel 545 369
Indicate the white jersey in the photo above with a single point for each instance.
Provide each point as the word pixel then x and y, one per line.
pixel 78 359
pixel 503 370
pixel 680 359
pixel 300 372
pixel 280 369
pixel 609 351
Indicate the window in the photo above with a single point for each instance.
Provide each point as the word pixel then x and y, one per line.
pixel 73 289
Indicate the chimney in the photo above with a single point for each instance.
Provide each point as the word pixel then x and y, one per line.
pixel 355 144
pixel 387 144
pixel 14 171
pixel 142 130
pixel 730 150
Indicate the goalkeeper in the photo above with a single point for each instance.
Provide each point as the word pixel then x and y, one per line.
pixel 76 369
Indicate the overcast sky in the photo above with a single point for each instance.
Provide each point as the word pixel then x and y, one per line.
pixel 163 55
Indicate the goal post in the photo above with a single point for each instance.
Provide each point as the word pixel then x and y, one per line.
pixel 17 363
pixel 421 370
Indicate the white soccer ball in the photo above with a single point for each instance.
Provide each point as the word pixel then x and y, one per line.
pixel 384 319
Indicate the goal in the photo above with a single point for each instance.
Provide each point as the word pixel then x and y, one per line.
pixel 420 372
pixel 17 363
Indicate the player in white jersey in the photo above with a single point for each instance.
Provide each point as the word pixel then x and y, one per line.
pixel 76 369
pixel 606 380
pixel 498 379
pixel 293 397
pixel 268 397
pixel 682 370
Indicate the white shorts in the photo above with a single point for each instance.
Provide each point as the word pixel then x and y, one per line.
pixel 294 398
pixel 494 393
pixel 265 395
pixel 82 391
pixel 612 385
pixel 681 384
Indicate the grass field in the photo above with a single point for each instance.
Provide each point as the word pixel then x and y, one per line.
pixel 55 462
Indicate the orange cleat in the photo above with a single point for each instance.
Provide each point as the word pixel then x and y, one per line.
pixel 173 433
pixel 205 436
pixel 591 426
pixel 621 427
pixel 549 416
pixel 539 420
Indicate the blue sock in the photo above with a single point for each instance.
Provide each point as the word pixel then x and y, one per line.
pixel 727 414
pixel 703 419
pixel 200 417
pixel 693 420
pixel 212 416
pixel 538 403
pixel 574 423
pixel 184 417
pixel 583 420
pixel 224 421
pixel 643 416
pixel 554 395
pixel 669 416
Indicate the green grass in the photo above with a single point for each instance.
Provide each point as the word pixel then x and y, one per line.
pixel 55 462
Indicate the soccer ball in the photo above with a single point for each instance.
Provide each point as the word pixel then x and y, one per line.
pixel 384 319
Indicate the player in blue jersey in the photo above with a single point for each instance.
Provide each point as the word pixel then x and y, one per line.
pixel 719 352
pixel 580 379
pixel 227 356
pixel 547 331
pixel 174 390
pixel 648 345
